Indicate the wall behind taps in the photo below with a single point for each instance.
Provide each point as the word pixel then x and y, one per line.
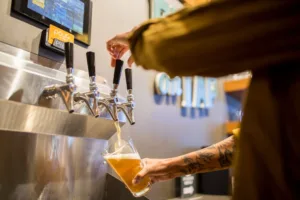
pixel 160 130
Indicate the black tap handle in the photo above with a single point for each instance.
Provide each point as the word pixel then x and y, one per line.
pixel 128 74
pixel 118 71
pixel 69 54
pixel 90 57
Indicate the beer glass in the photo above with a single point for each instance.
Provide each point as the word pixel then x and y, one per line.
pixel 123 157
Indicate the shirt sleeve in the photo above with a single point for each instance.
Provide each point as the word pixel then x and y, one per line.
pixel 221 38
pixel 236 132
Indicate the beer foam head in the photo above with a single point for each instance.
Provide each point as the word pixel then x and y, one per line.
pixel 133 156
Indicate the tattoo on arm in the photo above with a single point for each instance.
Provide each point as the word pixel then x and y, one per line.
pixel 177 170
pixel 187 160
pixel 205 157
pixel 192 166
pixel 217 156
pixel 225 157
pixel 184 171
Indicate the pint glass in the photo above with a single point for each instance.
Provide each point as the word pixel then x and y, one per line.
pixel 126 162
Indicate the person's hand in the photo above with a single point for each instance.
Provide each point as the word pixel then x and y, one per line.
pixel 158 170
pixel 117 47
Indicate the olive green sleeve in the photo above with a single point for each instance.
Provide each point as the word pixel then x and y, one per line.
pixel 221 38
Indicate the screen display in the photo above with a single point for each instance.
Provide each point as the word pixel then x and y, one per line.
pixel 68 13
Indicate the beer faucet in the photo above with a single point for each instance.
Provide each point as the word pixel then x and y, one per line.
pixel 91 97
pixel 128 107
pixel 113 99
pixel 65 91
pixel 94 93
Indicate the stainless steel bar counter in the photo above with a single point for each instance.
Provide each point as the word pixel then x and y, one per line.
pixel 46 152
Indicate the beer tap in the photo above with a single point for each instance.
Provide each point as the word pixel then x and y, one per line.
pixel 113 99
pixel 65 91
pixel 128 107
pixel 94 93
pixel 90 98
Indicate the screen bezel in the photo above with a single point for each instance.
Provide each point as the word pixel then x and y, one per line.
pixel 20 6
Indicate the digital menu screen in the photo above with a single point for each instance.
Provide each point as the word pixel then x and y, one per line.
pixel 68 13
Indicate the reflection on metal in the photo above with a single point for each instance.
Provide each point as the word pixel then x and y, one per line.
pixel 23 81
pixel 113 101
pixel 65 91
pixel 128 110
pixel 90 98
pixel 128 107
pixel 27 118
pixel 38 167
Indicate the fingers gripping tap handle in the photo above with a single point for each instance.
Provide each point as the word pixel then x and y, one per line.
pixel 128 74
pixel 69 54
pixel 90 57
pixel 118 72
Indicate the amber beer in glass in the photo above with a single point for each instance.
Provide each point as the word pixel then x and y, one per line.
pixel 126 162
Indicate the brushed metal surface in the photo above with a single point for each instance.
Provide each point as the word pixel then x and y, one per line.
pixel 23 81
pixel 49 167
pixel 27 118
pixel 45 152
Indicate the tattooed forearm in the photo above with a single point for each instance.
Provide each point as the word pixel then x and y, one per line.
pixel 226 152
pixel 205 157
pixel 191 165
pixel 225 157
pixel 183 171
pixel 215 157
